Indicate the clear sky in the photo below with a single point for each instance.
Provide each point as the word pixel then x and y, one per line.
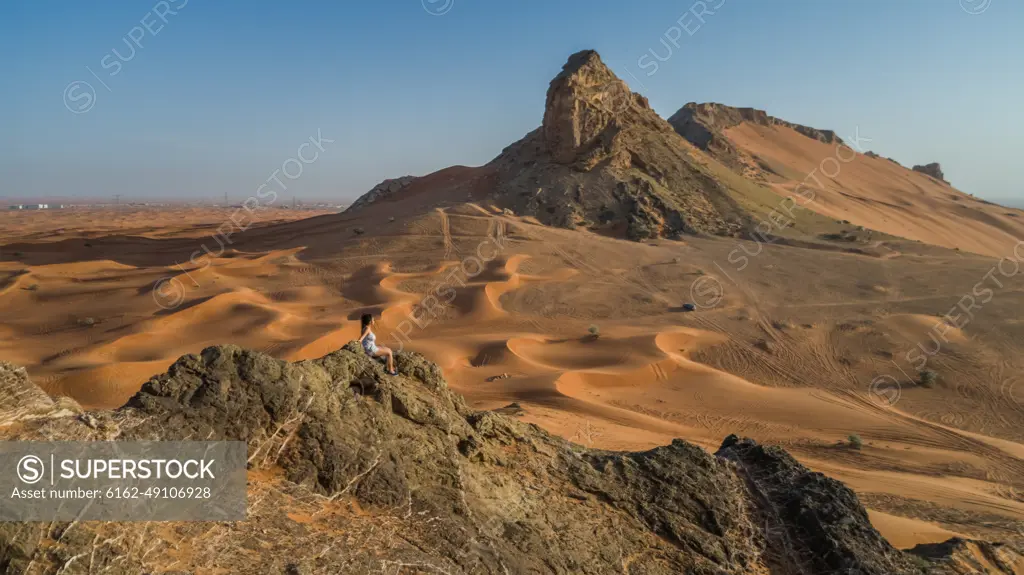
pixel 204 97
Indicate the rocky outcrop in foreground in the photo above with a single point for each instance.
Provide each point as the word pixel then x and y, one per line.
pixel 933 169
pixel 354 471
pixel 21 400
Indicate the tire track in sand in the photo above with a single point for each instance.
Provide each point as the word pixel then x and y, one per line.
pixel 446 233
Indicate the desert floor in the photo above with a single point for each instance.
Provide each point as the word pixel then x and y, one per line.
pixel 791 346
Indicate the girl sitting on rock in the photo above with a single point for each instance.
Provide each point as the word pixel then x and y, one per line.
pixel 369 342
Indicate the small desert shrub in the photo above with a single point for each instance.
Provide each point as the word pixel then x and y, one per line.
pixel 927 378
pixel 32 287
pixel 359 231
pixel 87 321
pixel 855 441
pixel 594 331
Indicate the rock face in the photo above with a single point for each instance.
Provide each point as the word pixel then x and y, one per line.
pixel 933 169
pixel 355 471
pixel 21 400
pixel 582 101
pixel 603 159
pixel 819 519
pixel 703 126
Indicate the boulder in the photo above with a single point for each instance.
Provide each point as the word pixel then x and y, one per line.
pixel 933 170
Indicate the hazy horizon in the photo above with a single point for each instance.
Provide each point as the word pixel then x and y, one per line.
pixel 220 96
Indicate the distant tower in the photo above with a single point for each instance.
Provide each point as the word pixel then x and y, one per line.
pixel 117 199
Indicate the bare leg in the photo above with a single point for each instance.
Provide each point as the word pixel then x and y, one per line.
pixel 386 352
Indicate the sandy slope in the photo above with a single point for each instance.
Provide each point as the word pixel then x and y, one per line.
pixel 879 194
pixel 787 355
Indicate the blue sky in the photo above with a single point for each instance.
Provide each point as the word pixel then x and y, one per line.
pixel 217 95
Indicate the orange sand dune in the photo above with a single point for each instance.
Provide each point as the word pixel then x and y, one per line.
pixel 879 194
pixel 904 533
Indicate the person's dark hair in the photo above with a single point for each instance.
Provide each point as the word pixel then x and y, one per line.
pixel 366 319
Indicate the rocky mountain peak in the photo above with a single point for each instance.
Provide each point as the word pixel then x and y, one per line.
pixel 581 103
pixel 604 160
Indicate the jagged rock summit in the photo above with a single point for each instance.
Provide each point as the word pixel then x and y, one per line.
pixel 355 471
pixel 604 160
pixel 582 101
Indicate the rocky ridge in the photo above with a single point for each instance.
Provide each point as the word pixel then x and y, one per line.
pixel 703 126
pixel 355 471
pixel 387 189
